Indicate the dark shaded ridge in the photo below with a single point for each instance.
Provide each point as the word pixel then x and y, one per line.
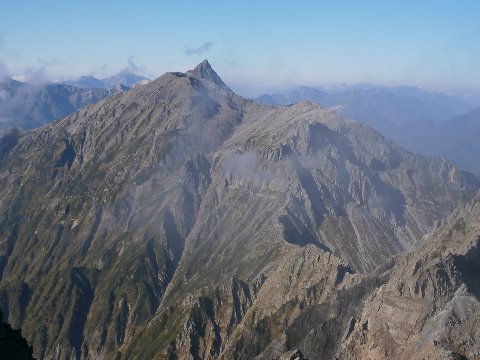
pixel 10 243
pixel 12 345
pixel 8 140
pixel 469 267
pixel 175 241
pixel 310 186
pixel 82 307
pixel 200 315
pixel 14 299
pixel 295 232
pixel 67 157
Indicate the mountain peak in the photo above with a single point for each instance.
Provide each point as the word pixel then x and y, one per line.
pixel 204 65
pixel 205 71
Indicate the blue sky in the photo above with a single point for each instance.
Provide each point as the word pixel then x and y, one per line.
pixel 254 45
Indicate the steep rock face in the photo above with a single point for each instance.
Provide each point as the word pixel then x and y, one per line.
pixel 178 219
pixel 429 308
pixel 423 304
pixel 105 210
pixel 8 139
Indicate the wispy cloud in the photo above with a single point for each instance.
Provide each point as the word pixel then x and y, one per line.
pixel 34 74
pixel 205 47
pixel 133 67
pixel 107 70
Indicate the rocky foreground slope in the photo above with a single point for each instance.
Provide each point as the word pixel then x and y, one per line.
pixel 429 306
pixel 179 220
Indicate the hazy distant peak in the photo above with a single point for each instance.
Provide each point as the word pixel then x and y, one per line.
pixel 84 82
pixel 123 78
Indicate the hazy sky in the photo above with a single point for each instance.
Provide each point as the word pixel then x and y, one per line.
pixel 253 45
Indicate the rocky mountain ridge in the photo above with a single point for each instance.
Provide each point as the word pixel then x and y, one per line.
pixel 432 124
pixel 179 220
pixel 429 307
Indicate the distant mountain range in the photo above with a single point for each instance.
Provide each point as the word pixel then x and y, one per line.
pixel 430 123
pixel 26 106
pixel 472 96
pixel 120 79
pixel 384 108
pixel 457 139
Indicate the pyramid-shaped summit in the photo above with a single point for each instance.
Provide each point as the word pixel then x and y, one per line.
pixel 205 71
